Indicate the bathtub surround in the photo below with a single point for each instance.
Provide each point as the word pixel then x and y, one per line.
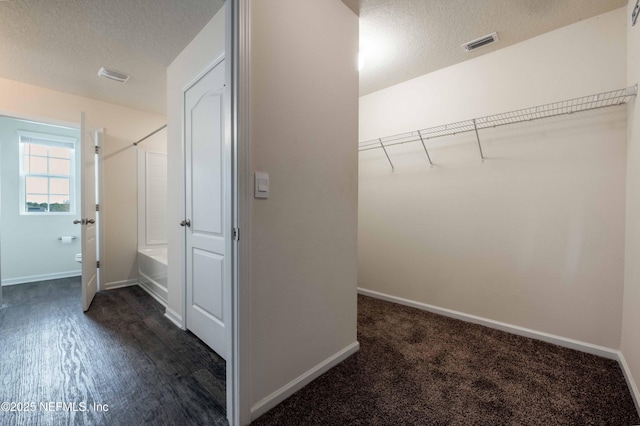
pixel 152 267
pixel 152 216
pixel 31 248
pixel 152 199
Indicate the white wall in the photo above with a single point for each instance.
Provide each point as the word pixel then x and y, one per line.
pixel 122 127
pixel 304 112
pixel 534 236
pixel 30 246
pixel 208 45
pixel 630 345
pixel 155 143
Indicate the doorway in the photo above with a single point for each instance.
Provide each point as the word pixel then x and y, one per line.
pixel 41 200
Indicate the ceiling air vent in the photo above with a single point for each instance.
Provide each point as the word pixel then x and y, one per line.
pixel 113 75
pixel 479 42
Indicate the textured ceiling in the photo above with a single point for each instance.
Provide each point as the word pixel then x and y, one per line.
pixel 61 44
pixel 403 39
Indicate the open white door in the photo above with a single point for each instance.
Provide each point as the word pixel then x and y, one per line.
pixel 88 212
pixel 208 204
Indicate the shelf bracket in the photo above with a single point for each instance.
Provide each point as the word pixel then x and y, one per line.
pixel 425 149
pixel 475 127
pixel 385 153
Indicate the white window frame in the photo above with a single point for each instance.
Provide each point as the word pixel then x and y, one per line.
pixel 51 141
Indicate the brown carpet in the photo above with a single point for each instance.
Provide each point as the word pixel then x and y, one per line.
pixel 417 368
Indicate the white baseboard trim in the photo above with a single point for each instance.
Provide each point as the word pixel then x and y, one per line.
pixel 633 388
pixel 43 277
pixel 509 328
pixel 301 381
pixel 154 289
pixel 119 284
pixel 174 317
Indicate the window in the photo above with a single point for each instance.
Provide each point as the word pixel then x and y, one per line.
pixel 47 172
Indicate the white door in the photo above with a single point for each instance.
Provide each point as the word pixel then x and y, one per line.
pixel 88 212
pixel 208 218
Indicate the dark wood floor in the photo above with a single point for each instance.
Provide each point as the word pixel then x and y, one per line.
pixel 122 355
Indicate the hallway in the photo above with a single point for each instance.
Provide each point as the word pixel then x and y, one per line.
pixel 120 363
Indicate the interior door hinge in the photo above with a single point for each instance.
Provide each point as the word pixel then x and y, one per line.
pixel 97 149
pixel 97 207
pixel 97 264
pixel 236 234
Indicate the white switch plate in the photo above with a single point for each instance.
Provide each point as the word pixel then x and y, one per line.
pixel 261 185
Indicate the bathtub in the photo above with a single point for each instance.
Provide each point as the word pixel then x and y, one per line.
pixel 152 272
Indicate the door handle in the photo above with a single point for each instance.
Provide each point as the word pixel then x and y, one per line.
pixel 90 221
pixel 186 223
pixel 78 222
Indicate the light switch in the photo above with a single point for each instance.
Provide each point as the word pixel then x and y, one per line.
pixel 261 185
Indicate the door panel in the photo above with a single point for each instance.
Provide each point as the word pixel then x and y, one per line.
pixel 88 213
pixel 208 267
pixel 207 170
pixel 206 162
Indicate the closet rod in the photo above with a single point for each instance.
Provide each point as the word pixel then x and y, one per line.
pixel 569 106
pixel 149 135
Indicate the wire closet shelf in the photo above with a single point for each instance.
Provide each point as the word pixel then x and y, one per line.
pixel 569 106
